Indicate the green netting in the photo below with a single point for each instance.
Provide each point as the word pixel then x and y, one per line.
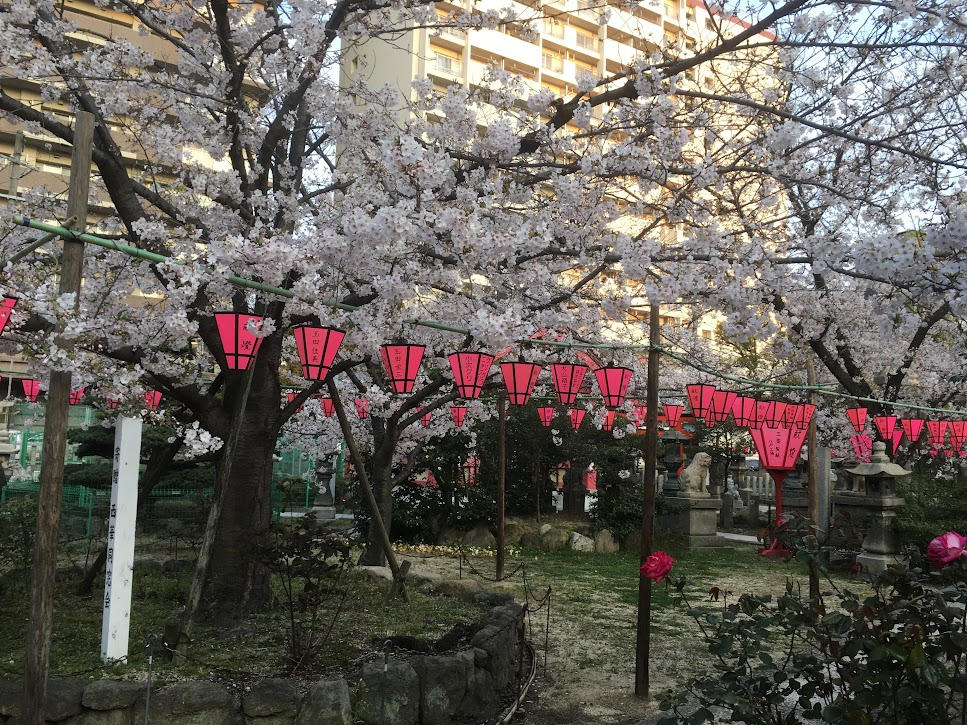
pixel 168 512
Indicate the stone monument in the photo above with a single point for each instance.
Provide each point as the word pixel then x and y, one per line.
pixel 695 512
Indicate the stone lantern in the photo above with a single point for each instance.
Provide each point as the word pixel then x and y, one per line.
pixel 880 502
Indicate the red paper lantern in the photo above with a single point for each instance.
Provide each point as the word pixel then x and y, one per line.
pixel 238 342
pixel 912 428
pixel 804 414
pixel 857 417
pixel 673 414
pixel 402 363
pixel 936 433
pixel 426 418
pixel 111 399
pixel 328 407
pixel 897 437
pixel 76 395
pixel 789 414
pixel 775 414
pixel 470 370
pixel 31 389
pixel 290 396
pixel 641 414
pixel 519 377
pixel 567 379
pixel 743 409
pixel 721 406
pixel 317 348
pixel 885 425
pixel 608 422
pixel 958 432
pixel 459 413
pixel 613 383
pixel 6 309
pixel 700 397
pixel 362 408
pixel 761 411
pixel 778 449
pixel 152 398
pixel 576 415
pixel 862 446
pixel 546 414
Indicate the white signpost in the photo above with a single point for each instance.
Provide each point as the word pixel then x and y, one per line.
pixel 120 540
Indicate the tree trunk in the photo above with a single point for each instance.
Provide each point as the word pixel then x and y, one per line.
pixel 237 585
pixel 381 481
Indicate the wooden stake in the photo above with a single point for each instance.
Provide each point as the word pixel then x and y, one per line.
pixel 42 588
pixel 501 481
pixel 812 476
pixel 643 645
pixel 399 574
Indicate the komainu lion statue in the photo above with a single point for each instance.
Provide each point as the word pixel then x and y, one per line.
pixel 692 479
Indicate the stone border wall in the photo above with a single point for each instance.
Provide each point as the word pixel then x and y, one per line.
pixel 419 690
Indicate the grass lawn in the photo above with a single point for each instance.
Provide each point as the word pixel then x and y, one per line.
pixel 256 648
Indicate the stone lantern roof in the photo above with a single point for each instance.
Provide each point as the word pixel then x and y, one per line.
pixel 879 465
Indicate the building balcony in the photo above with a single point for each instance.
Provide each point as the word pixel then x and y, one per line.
pixel 506 46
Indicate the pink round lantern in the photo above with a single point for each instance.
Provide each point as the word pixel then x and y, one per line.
pixel 317 347
pixel 402 363
pixel 6 309
pixel 567 379
pixel 546 414
pixel 239 344
pixel 700 398
pixel 576 415
pixel 31 389
pixel 673 414
pixel 470 371
pixel 857 418
pixel 519 377
pixel 613 383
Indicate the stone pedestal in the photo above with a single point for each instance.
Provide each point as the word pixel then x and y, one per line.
pixel 696 517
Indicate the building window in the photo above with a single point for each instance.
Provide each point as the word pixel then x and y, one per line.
pixel 554 28
pixel 551 62
pixel 448 65
pixel 671 8
pixel 586 40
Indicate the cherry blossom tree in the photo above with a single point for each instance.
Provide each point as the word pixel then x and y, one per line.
pixel 797 171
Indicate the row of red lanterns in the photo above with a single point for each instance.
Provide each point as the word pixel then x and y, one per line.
pixel 910 428
pixel 318 346
pixel 715 406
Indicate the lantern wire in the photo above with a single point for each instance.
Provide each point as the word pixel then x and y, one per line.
pixel 132 251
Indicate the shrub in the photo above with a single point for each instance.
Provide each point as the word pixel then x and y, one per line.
pixel 894 656
pixel 309 560
pixel 933 503
pixel 18 527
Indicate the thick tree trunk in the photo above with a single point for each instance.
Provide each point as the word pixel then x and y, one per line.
pixel 237 585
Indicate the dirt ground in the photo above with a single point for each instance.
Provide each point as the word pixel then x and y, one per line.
pixel 588 642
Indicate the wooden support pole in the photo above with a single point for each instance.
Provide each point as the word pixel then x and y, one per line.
pixel 501 481
pixel 399 573
pixel 643 645
pixel 812 476
pixel 42 588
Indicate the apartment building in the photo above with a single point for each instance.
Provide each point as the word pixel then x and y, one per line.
pixel 551 46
